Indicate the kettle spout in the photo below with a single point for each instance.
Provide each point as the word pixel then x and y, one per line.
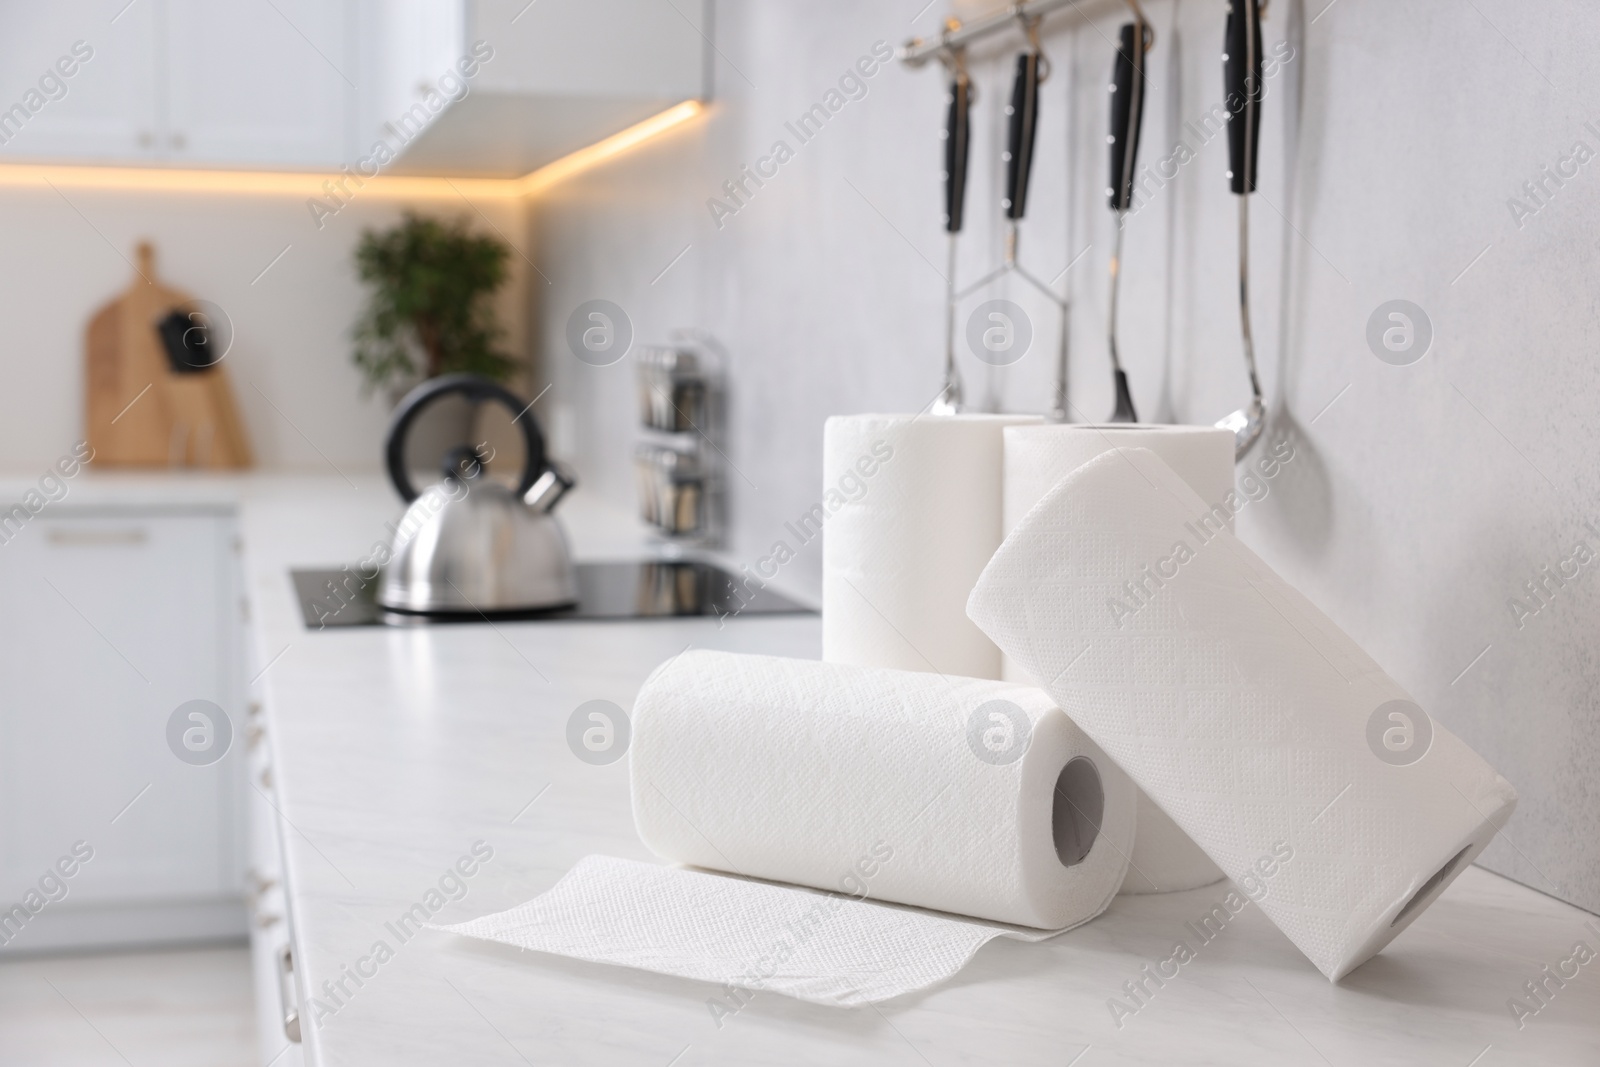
pixel 551 486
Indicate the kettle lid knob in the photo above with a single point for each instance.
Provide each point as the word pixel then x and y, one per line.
pixel 464 463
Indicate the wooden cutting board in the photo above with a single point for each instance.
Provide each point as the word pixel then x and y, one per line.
pixel 138 410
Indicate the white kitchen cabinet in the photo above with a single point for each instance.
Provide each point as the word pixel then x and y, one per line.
pixel 111 620
pixel 404 46
pixel 256 83
pixel 104 107
pixel 187 82
pixel 316 84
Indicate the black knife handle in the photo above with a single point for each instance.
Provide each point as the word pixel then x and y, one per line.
pixel 957 138
pixel 1242 92
pixel 1127 112
pixel 1022 121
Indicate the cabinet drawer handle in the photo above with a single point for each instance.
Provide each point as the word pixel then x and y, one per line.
pixel 68 538
pixel 257 888
pixel 286 995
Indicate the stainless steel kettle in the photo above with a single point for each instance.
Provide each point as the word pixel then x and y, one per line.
pixel 469 545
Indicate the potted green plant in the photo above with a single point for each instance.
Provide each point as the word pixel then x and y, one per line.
pixel 430 309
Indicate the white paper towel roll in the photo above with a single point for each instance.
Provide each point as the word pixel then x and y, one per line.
pixel 1164 859
pixel 1272 739
pixel 899 559
pixel 1036 458
pixel 968 796
pixel 805 772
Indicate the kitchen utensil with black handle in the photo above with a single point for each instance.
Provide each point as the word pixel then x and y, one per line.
pixel 1242 92
pixel 1022 123
pixel 1127 113
pixel 1127 116
pixel 957 143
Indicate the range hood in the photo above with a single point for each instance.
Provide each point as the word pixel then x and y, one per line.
pixel 548 78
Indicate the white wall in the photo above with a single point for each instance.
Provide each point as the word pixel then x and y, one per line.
pixel 1421 499
pixel 62 255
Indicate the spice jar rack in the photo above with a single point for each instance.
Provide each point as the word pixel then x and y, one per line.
pixel 678 459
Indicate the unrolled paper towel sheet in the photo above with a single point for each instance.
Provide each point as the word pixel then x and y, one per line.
pixel 1164 859
pixel 1248 715
pixel 824 948
pixel 973 798
pixel 899 560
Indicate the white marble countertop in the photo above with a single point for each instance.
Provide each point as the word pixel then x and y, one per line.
pixel 395 750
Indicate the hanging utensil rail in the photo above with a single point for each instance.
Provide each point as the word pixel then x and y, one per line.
pixel 917 51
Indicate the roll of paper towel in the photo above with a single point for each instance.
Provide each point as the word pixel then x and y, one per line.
pixel 918 517
pixel 970 797
pixel 1164 859
pixel 1036 458
pixel 974 796
pixel 1273 740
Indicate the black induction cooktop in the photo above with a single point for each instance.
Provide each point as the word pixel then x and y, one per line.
pixel 641 589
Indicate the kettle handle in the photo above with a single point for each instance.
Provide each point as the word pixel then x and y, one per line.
pixel 474 387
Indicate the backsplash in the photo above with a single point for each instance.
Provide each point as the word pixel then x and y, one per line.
pixel 1438 501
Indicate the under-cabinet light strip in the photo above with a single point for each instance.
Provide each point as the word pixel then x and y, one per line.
pixel 616 144
pixel 160 179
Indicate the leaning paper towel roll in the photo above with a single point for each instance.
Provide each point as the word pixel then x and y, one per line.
pixel 961 795
pixel 1248 715
pixel 1037 458
pixel 918 517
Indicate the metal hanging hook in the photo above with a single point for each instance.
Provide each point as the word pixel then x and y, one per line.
pixel 953 57
pixel 1149 30
pixel 1030 30
pixel 954 60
